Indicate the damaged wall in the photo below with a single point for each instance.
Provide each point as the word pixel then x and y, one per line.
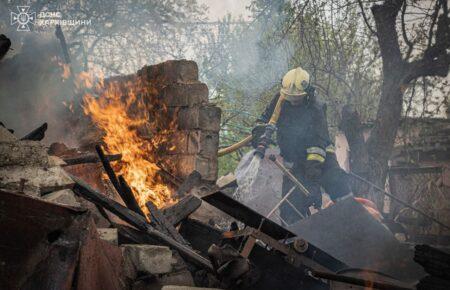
pixel 196 137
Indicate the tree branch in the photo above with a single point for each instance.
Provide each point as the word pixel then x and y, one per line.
pixel 366 20
pixel 385 15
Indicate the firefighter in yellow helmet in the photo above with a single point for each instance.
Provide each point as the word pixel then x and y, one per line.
pixel 305 144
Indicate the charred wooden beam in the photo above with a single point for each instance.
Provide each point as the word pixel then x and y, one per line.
pixel 119 184
pixel 126 193
pixel 138 221
pixel 181 210
pixel 130 235
pixel 108 169
pixel 37 134
pixel 164 224
pixel 90 158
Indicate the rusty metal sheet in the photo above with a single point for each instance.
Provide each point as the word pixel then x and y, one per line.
pixel 45 245
pixel 100 263
pixel 28 226
pixel 349 233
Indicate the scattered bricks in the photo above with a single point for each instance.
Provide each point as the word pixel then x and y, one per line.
pixel 184 95
pixel 23 153
pixel 109 235
pixel 172 71
pixel 64 197
pixel 147 258
pixel 206 117
pixel 6 136
pixel 179 278
pixel 33 180
pixel 55 161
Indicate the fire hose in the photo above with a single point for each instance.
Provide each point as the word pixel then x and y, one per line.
pixel 265 138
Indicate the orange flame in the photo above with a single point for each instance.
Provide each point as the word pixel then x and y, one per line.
pixel 133 125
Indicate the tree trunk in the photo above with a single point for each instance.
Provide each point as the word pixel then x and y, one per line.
pixel 371 159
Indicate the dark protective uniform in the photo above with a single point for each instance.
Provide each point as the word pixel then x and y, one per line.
pixel 302 131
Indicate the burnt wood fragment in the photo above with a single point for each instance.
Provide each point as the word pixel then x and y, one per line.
pixel 200 235
pixel 90 158
pixel 182 209
pixel 163 223
pixel 130 235
pixel 108 169
pixel 128 196
pixel 37 134
pixel 119 184
pixel 138 221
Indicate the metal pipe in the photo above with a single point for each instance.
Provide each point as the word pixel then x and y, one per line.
pixel 290 176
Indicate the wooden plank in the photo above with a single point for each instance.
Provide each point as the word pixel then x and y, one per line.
pixel 37 134
pixel 119 184
pixel 164 224
pixel 128 196
pixel 108 169
pixel 90 158
pixel 181 210
pixel 138 221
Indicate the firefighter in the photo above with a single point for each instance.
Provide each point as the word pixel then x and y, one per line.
pixel 305 145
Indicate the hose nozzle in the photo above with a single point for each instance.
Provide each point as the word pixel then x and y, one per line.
pixel 265 141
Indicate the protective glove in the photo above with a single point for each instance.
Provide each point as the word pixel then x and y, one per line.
pixel 313 170
pixel 257 132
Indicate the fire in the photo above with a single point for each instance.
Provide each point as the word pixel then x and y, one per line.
pixel 132 123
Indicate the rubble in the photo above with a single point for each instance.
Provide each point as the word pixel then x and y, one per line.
pixel 64 197
pixel 109 235
pixel 147 258
pixel 78 231
pixel 6 136
pixel 24 153
pixel 34 180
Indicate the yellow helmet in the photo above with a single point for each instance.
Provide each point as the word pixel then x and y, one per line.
pixel 294 84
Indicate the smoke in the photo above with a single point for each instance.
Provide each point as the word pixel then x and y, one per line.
pixel 32 88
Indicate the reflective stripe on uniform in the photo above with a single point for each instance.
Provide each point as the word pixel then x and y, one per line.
pixel 315 156
pixel 316 150
pixel 330 149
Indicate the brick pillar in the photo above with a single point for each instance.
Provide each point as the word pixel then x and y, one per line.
pixel 196 138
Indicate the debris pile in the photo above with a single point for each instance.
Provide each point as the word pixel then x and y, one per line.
pixel 72 221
